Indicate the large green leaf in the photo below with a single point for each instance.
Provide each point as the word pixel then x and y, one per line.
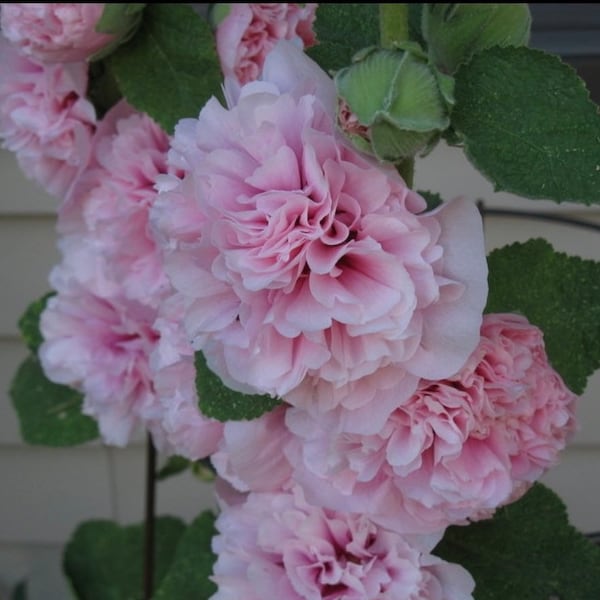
pixel 104 561
pixel 170 68
pixel 49 413
pixel 188 576
pixel 29 322
pixel 224 404
pixel 454 32
pixel 529 125
pixel 528 551
pixel 342 30
pixel 558 293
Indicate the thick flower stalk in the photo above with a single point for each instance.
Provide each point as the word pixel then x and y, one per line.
pixel 278 546
pixel 301 259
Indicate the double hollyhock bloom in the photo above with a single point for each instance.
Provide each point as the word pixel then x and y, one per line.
pixel 275 545
pixel 54 32
pixel 303 263
pixel 457 449
pixel 250 31
pixel 45 118
pixel 107 331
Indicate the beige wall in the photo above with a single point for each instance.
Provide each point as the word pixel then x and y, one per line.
pixel 45 492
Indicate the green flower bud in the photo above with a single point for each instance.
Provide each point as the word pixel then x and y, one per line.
pixel 454 32
pixel 120 20
pixel 391 104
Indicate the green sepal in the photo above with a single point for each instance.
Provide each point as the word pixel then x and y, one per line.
pixel 396 94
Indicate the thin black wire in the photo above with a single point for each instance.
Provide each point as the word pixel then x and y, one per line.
pixel 541 216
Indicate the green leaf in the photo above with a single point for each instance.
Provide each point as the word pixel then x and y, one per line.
pixel 558 293
pixel 528 551
pixel 104 561
pixel 170 68
pixel 188 576
pixel 342 30
pixel 29 323
pixel 432 198
pixel 224 404
pixel 49 413
pixel 118 17
pixel 173 466
pixel 528 125
pixel 454 32
pixel 122 22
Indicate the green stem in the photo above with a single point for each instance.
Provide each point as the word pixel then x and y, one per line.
pixel 393 24
pixel 393 29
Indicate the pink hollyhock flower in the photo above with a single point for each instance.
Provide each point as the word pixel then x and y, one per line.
pixel 250 456
pixel 45 118
pixel 54 32
pixel 278 546
pixel 250 31
pixel 101 347
pixel 457 450
pixel 177 425
pixel 532 405
pixel 106 238
pixel 298 257
pixel 113 331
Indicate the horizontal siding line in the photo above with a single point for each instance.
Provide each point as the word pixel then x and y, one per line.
pixel 10 338
pixel 92 447
pixel 6 215
pixel 21 545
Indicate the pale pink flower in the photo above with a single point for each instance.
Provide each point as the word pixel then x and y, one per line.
pixel 113 331
pixel 54 32
pixel 104 224
pixel 45 118
pixel 250 31
pixel 298 257
pixel 101 347
pixel 178 426
pixel 532 405
pixel 278 546
pixel 457 450
pixel 251 454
